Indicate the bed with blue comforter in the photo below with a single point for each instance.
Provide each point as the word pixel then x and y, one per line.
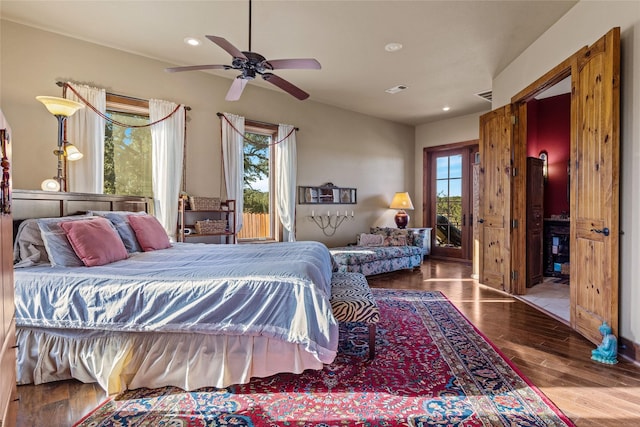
pixel 192 315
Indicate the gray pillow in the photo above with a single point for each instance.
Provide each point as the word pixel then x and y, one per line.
pixel 120 220
pixel 28 248
pixel 59 250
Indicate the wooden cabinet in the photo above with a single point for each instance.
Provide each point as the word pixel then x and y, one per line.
pixel 556 247
pixel 8 392
pixel 189 219
pixel 535 220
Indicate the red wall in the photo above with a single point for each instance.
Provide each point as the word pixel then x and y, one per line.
pixel 548 129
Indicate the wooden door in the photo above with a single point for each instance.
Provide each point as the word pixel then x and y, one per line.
pixel 594 176
pixel 450 204
pixel 476 214
pixel 495 198
pixel 8 401
pixel 535 223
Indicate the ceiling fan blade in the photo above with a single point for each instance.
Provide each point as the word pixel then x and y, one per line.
pixel 197 67
pixel 236 89
pixel 294 64
pixel 231 49
pixel 286 86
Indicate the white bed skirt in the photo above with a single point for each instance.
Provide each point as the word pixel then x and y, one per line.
pixel 120 361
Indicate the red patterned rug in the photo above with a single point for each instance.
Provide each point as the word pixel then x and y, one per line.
pixel 432 368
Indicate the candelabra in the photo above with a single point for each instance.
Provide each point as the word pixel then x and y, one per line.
pixel 330 223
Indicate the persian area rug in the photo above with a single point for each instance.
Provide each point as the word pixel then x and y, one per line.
pixel 432 368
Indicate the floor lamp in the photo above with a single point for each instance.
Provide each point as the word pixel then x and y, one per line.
pixel 61 108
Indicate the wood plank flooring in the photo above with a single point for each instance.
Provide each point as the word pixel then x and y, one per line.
pixel 549 353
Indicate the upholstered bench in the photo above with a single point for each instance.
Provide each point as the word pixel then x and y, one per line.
pixel 382 251
pixel 352 301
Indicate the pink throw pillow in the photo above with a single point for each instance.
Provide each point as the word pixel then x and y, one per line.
pixel 94 241
pixel 149 232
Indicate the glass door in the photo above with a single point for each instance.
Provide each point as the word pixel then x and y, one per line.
pixel 450 203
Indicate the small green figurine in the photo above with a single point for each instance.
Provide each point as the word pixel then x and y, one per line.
pixel 607 351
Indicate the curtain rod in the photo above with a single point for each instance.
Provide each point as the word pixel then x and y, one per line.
pixel 258 122
pixel 186 107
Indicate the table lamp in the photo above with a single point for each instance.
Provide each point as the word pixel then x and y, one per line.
pixel 401 201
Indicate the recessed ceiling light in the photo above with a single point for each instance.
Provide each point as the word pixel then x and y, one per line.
pixel 396 89
pixel 446 108
pixel 393 47
pixel 192 41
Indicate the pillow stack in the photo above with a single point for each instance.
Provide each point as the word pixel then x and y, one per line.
pixel 100 238
pixel 383 236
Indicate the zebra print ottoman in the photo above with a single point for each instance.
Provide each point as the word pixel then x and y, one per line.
pixel 352 301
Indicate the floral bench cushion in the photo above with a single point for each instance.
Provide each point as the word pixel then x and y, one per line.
pixel 353 255
pixel 399 249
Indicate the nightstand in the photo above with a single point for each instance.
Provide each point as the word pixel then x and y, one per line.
pixel 426 245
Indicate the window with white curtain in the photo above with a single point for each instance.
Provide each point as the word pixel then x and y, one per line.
pixel 259 213
pixel 127 154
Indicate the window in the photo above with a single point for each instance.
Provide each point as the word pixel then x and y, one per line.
pixel 127 151
pixel 258 216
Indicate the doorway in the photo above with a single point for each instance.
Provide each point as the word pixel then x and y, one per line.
pixel 548 150
pixel 448 191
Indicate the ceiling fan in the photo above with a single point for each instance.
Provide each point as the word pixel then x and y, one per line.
pixel 252 63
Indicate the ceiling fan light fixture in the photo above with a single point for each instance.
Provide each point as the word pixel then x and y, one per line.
pixel 251 64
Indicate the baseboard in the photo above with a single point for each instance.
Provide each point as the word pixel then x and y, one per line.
pixel 629 349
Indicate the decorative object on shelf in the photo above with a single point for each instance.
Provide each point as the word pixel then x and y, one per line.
pixel 326 194
pixel 206 220
pixel 607 351
pixel 204 203
pixel 401 201
pixel 545 166
pixel 61 108
pixel 330 223
pixel 210 226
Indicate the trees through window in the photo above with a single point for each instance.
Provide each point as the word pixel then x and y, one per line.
pixel 258 212
pixel 127 150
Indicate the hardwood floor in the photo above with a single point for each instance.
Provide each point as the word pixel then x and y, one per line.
pixel 556 359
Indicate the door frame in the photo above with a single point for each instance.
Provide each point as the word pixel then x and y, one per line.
pixel 519 185
pixel 429 153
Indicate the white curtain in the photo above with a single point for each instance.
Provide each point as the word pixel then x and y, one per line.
pixel 233 161
pixel 167 138
pixel 286 161
pixel 85 130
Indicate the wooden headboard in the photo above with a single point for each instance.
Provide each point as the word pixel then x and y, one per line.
pixel 45 204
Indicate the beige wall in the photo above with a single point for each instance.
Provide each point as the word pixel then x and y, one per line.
pixel 581 26
pixel 348 149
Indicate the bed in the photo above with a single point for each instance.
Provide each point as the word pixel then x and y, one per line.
pixel 191 315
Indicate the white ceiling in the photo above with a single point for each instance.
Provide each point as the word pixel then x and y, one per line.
pixel 452 49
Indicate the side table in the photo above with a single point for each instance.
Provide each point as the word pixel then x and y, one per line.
pixel 426 245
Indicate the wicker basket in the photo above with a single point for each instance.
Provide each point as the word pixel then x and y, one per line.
pixel 210 226
pixel 204 203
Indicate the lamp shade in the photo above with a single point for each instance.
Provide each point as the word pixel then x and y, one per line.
pixel 60 106
pixel 71 152
pixel 401 201
pixel 50 184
